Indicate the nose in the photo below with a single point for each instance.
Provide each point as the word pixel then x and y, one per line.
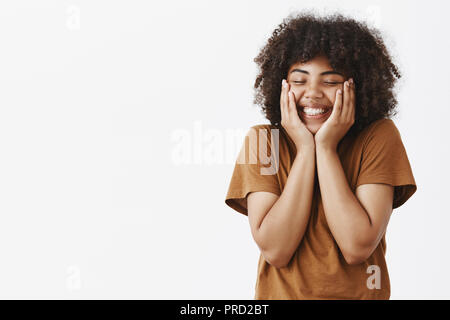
pixel 312 92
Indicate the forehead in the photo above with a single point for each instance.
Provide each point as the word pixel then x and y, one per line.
pixel 316 65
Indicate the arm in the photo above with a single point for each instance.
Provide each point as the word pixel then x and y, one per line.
pixel 357 223
pixel 279 225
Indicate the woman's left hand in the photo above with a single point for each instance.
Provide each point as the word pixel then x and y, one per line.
pixel 341 119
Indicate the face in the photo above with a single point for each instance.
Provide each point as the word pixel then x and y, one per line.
pixel 314 84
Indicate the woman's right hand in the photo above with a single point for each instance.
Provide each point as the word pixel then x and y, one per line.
pixel 290 120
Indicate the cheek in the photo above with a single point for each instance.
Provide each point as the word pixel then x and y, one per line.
pixel 298 92
pixel 331 94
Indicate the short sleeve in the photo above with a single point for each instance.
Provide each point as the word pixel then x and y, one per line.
pixel 384 160
pixel 256 168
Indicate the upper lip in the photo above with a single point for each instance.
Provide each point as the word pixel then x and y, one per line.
pixel 314 105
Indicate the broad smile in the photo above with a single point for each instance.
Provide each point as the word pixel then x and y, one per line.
pixel 315 113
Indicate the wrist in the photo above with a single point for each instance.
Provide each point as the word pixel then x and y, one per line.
pixel 325 148
pixel 306 148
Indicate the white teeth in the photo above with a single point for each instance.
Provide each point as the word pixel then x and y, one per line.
pixel 313 111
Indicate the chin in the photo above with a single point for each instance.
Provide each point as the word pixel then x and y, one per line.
pixel 313 128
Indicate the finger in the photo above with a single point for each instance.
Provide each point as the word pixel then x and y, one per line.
pixel 352 100
pixel 337 108
pixel 346 102
pixel 292 106
pixel 286 100
pixel 282 103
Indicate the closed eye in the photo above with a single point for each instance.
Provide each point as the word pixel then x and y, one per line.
pixel 328 82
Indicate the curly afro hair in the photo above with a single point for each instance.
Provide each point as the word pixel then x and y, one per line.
pixel 352 48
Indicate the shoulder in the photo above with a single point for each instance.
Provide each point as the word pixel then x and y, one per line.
pixel 267 134
pixel 264 130
pixel 381 125
pixel 267 126
pixel 381 129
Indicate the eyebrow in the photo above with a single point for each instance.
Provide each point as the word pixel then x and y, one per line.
pixel 322 74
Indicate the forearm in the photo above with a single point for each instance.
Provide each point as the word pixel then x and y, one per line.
pixel 347 219
pixel 284 225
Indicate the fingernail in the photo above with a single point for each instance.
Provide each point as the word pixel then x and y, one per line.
pixel 284 83
pixel 351 80
pixel 339 91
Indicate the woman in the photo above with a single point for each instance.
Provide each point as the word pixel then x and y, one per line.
pixel 337 168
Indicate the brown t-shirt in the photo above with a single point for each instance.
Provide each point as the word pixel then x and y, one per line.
pixel 317 269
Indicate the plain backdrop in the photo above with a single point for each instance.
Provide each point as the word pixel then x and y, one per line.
pixel 120 123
